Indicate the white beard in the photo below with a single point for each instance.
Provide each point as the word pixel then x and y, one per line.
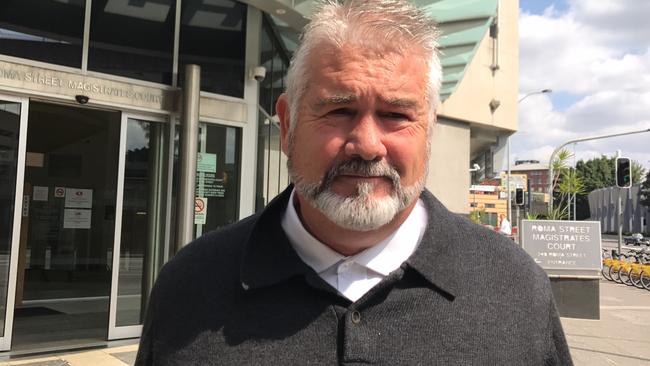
pixel 360 212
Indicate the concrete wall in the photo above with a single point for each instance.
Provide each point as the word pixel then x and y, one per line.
pixel 449 176
pixel 470 102
pixel 602 205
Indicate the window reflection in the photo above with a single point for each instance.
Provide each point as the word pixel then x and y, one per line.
pixel 141 215
pixel 133 39
pixel 43 30
pixel 212 35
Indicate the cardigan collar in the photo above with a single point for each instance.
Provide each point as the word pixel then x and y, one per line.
pixel 268 257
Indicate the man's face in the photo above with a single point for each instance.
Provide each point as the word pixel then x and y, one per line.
pixel 361 131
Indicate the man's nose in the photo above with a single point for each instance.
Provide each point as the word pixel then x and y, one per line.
pixel 365 139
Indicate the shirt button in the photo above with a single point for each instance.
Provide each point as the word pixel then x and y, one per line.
pixel 356 317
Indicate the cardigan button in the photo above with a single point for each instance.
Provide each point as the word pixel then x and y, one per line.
pixel 356 317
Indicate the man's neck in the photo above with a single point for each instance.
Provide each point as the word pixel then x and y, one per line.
pixel 345 241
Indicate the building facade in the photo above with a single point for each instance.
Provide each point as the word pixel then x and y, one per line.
pixel 96 101
pixel 486 199
pixel 536 173
pixel 535 184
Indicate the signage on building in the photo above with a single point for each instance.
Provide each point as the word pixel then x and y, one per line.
pixel 516 181
pixel 482 188
pixel 206 162
pixel 569 245
pixel 76 218
pixel 55 82
pixel 200 210
pixel 40 193
pixel 78 198
pixel 59 192
pixel 208 185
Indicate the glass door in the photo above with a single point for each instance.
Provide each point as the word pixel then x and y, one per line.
pixel 67 226
pixel 218 171
pixel 13 134
pixel 140 217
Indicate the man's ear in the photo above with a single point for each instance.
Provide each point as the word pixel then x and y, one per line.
pixel 282 109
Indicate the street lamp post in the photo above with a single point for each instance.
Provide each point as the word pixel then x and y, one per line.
pixel 543 91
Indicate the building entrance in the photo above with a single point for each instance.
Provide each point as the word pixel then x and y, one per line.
pixel 67 229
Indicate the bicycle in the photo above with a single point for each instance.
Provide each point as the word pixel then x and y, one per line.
pixel 638 271
pixel 645 278
pixel 608 260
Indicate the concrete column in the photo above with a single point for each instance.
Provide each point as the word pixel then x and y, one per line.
pixel 189 139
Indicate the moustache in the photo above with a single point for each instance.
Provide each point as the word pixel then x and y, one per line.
pixel 363 168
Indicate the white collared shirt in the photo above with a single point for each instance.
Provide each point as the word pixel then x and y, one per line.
pixel 355 275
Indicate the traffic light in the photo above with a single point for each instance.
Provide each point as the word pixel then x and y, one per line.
pixel 623 173
pixel 519 197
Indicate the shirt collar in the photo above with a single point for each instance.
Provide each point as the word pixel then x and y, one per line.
pixel 268 257
pixel 387 255
pixel 383 258
pixel 316 254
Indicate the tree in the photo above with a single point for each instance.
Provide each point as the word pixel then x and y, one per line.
pixel 638 173
pixel 478 216
pixel 566 184
pixel 560 165
pixel 599 173
pixel 645 191
pixel 570 185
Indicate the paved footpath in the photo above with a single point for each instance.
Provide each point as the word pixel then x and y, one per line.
pixel 620 337
pixel 116 356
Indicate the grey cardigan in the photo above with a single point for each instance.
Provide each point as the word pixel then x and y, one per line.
pixel 242 296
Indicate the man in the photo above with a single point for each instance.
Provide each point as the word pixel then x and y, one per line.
pixel 355 264
pixel 504 226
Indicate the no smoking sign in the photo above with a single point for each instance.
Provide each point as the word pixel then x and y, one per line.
pixel 200 210
pixel 59 192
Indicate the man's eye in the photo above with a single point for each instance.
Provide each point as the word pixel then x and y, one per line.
pixel 342 112
pixel 394 116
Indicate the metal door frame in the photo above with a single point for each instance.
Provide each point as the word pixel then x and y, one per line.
pixel 128 331
pixel 244 208
pixel 5 339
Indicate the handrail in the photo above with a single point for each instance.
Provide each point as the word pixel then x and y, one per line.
pixel 269 117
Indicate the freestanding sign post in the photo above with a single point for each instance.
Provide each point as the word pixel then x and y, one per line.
pixel 570 252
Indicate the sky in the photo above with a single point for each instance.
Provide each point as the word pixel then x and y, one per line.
pixel 595 56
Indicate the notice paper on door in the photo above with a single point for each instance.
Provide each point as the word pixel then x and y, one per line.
pixel 206 162
pixel 76 218
pixel 78 198
pixel 40 193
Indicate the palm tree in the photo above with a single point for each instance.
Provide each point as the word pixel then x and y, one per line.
pixel 567 183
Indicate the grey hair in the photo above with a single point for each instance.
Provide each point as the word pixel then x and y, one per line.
pixel 393 25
